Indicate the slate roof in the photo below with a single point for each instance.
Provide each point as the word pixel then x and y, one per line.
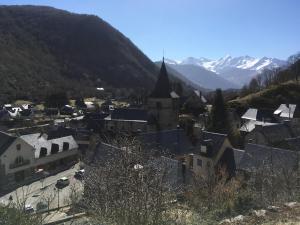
pixel 5 141
pixel 251 124
pixel 287 111
pixel 293 143
pixel 174 141
pixel 129 114
pixel 260 156
pixel 264 115
pixel 37 141
pixel 59 132
pixel 216 140
pixel 276 132
pixel 162 87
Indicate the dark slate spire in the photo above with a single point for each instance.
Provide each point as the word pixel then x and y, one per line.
pixel 162 87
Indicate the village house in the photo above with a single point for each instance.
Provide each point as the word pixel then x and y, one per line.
pixel 260 157
pixel 291 113
pixel 215 153
pixel 22 156
pixel 195 103
pixel 269 134
pixel 129 120
pixel 253 117
pixel 204 157
pixel 105 152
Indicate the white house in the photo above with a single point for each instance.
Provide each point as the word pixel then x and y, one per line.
pixel 21 157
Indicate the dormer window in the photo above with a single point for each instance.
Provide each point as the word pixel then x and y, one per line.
pixel 43 152
pixel 54 148
pixel 18 147
pixel 199 162
pixel 66 146
pixel 19 160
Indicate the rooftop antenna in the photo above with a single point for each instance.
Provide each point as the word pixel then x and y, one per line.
pixel 163 54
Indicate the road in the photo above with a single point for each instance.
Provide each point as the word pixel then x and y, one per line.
pixel 45 190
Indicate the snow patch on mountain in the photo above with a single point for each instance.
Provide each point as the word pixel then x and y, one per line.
pixel 242 62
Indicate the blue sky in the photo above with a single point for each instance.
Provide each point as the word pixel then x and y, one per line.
pixel 199 28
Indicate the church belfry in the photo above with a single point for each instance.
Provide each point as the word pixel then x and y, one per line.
pixel 163 103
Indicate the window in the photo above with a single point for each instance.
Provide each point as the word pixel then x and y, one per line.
pixel 43 152
pixel 208 164
pixel 19 160
pixel 66 146
pixel 54 149
pixel 18 146
pixel 199 162
pixel 158 105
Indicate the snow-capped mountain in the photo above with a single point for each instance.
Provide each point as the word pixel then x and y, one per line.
pixel 238 70
pixel 242 62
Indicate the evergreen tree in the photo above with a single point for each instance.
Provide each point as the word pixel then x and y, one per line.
pixel 219 121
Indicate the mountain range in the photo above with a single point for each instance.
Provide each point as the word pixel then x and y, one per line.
pixel 226 72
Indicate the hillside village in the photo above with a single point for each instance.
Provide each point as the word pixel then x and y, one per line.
pixel 161 113
pixel 39 142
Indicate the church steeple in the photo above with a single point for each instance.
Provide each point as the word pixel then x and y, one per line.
pixel 162 87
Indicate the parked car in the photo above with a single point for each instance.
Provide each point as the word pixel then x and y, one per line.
pixel 28 209
pixel 62 182
pixel 41 207
pixel 79 174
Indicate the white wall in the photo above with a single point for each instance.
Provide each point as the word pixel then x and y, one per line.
pixel 10 155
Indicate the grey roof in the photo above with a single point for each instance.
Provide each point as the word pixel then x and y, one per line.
pixel 286 111
pixel 129 114
pixel 5 141
pixel 259 115
pixel 276 132
pixel 251 124
pixel 250 114
pixel 238 155
pixel 260 156
pixel 216 139
pixel 162 87
pixel 37 141
pixel 293 143
pixel 174 141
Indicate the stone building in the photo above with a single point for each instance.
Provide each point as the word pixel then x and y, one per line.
pixel 163 104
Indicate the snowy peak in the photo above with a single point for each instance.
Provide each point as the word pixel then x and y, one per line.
pixel 229 62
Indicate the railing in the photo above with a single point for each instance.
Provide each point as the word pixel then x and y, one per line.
pixel 16 165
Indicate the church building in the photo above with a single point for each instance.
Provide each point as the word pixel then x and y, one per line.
pixel 163 104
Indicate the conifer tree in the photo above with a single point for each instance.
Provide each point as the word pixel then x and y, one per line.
pixel 219 121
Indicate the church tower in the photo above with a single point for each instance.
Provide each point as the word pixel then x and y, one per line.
pixel 163 103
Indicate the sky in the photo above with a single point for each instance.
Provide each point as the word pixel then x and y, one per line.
pixel 197 28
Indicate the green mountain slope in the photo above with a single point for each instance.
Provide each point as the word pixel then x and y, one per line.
pixel 44 49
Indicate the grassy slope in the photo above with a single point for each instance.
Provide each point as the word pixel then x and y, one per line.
pixel 270 98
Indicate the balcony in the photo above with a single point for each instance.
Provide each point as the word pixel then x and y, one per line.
pixel 16 165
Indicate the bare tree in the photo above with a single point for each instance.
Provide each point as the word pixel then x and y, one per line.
pixel 129 186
